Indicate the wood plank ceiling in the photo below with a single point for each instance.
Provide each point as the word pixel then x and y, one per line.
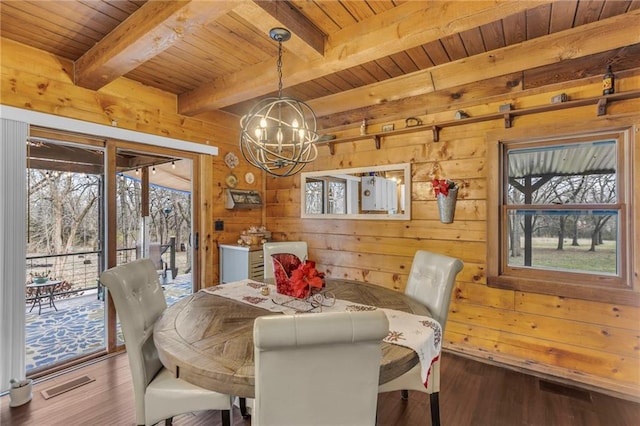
pixel 218 55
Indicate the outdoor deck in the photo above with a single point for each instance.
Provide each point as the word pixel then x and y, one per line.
pixel 77 327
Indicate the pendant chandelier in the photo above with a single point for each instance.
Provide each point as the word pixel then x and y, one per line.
pixel 279 134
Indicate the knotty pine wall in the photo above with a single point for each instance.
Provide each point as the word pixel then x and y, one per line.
pixel 595 344
pixel 592 343
pixel 38 81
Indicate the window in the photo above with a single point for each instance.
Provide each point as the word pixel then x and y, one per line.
pixel 327 195
pixel 562 223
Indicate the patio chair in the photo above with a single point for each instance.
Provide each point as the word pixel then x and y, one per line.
pixel 139 301
pixel 319 369
pixel 430 282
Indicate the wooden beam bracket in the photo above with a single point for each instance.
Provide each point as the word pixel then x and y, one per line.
pixel 602 107
pixel 436 133
pixel 507 121
pixel 376 139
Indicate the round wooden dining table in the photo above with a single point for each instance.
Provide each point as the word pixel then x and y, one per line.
pixel 207 339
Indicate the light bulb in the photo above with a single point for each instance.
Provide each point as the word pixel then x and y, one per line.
pixel 154 170
pixel 173 164
pixel 263 128
pixel 294 133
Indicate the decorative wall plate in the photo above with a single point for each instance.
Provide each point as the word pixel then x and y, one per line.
pixel 249 178
pixel 231 160
pixel 231 180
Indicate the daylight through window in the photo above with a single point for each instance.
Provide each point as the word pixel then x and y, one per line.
pixel 562 215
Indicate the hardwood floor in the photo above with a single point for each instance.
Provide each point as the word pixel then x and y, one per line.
pixel 472 393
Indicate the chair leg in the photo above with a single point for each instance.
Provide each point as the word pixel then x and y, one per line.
pixel 435 408
pixel 243 408
pixel 226 417
pixel 404 394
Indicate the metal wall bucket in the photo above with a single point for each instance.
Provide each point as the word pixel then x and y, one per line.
pixel 447 205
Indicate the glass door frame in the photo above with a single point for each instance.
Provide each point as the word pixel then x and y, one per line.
pixel 82 141
pixel 98 133
pixel 111 224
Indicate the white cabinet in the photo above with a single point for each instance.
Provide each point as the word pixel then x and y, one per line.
pixel 379 194
pixel 239 263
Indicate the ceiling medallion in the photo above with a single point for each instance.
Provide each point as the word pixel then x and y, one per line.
pixel 279 134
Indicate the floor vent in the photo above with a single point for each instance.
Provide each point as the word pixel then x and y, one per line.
pixel 563 390
pixel 66 386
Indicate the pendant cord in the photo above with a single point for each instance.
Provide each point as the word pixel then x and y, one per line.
pixel 279 66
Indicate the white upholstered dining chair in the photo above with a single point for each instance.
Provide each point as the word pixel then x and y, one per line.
pixel 139 301
pixel 299 248
pixel 317 369
pixel 430 282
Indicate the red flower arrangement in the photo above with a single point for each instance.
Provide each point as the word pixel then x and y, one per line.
pixel 295 278
pixel 442 186
pixel 305 277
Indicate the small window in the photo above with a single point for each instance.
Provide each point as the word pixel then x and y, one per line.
pixel 562 218
pixel 328 195
pixel 314 193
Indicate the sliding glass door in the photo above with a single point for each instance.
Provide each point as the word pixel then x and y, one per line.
pixel 153 216
pixel 93 204
pixel 64 310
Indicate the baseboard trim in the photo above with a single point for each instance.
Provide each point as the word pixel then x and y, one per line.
pixel 549 373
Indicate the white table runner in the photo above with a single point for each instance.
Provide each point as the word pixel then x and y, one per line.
pixel 417 332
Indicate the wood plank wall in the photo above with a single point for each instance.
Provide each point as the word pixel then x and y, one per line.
pixel 592 343
pixel 38 81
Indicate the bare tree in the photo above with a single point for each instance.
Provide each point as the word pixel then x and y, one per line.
pixel 62 201
pixel 602 190
pixel 566 191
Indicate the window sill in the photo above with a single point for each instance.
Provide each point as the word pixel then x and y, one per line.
pixel 566 289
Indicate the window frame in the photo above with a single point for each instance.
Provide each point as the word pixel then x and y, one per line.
pixel 617 288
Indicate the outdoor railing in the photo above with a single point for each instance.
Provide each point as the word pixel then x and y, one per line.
pixel 79 271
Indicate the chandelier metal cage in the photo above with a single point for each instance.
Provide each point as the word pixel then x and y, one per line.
pixel 278 135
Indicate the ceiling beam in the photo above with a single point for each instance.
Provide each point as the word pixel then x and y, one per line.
pixel 612 33
pixel 152 29
pixel 409 25
pixel 307 42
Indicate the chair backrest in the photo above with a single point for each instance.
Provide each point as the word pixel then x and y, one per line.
pixel 317 369
pixel 139 301
pixel 431 282
pixel 299 248
pixel 155 255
